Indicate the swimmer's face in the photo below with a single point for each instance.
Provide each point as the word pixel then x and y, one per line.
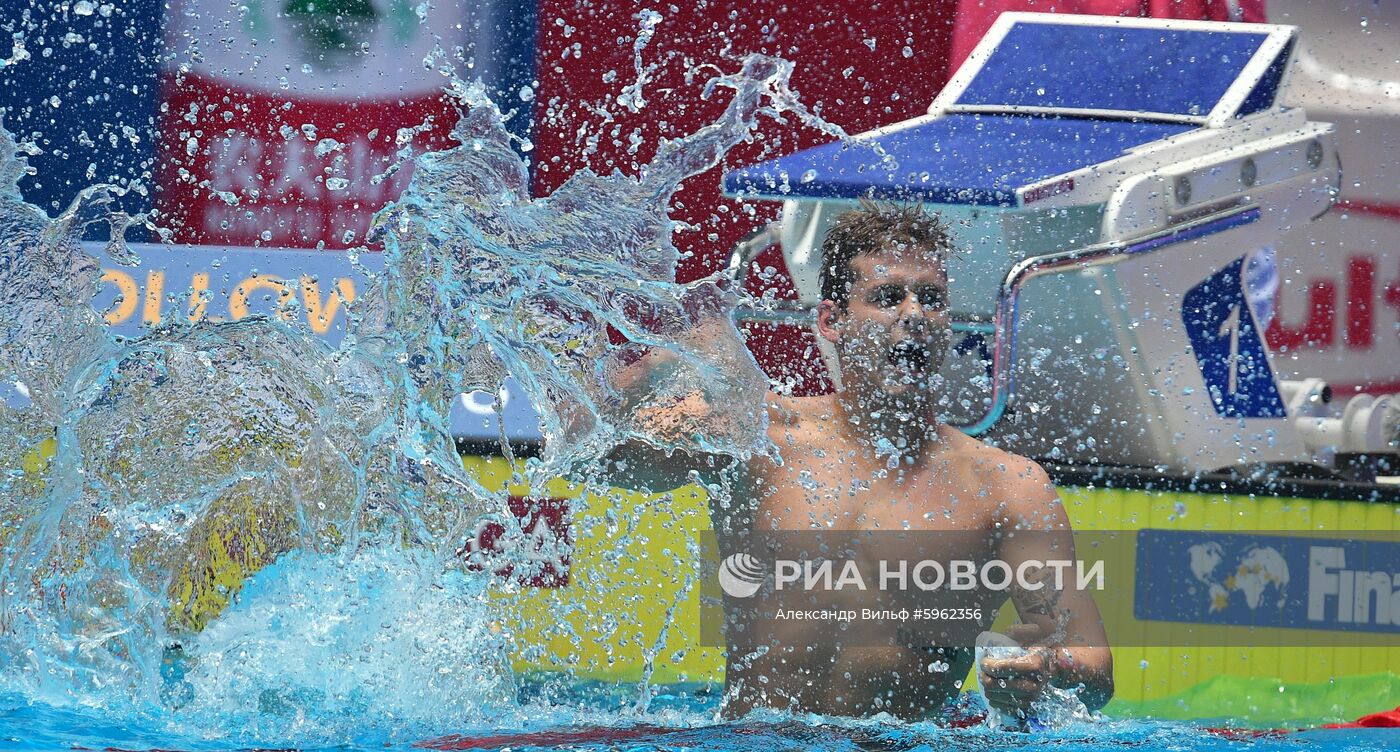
pixel 894 334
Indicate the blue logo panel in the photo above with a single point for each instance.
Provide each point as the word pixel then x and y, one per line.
pixel 1268 581
pixel 1228 347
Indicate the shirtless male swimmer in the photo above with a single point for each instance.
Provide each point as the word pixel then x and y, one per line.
pixel 885 308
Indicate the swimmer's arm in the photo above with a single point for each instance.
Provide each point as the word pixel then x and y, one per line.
pixel 664 422
pixel 639 464
pixel 1080 657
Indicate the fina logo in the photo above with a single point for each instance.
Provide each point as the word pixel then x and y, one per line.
pixel 740 575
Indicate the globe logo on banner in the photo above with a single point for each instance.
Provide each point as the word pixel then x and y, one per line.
pixel 328 29
pixel 1258 570
pixel 1228 347
pixel 740 575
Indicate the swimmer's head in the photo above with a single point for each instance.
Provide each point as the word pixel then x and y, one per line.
pixel 885 301
pixel 876 228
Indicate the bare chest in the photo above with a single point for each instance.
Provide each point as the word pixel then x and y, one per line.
pixel 823 483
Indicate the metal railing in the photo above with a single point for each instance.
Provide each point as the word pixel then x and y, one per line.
pixel 1004 323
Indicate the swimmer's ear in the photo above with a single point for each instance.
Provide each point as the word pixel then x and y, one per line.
pixel 828 321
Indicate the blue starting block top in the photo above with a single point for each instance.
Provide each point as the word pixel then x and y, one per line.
pixel 955 159
pixel 1042 96
pixel 1135 71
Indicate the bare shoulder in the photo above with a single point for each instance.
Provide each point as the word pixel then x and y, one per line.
pixel 1026 495
pixel 1031 500
pixel 782 409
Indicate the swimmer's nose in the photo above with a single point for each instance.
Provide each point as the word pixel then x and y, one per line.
pixel 909 307
pixel 913 316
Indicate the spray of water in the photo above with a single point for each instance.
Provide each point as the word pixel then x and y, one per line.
pixel 147 479
pixel 535 283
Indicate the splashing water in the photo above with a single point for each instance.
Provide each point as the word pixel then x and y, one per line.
pixel 156 473
pixel 536 283
pixel 375 639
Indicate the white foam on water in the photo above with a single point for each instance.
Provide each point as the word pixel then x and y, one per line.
pixel 323 647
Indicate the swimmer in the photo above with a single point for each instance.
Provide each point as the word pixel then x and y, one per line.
pixel 875 456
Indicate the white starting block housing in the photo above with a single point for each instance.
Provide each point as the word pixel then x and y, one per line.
pixel 1116 186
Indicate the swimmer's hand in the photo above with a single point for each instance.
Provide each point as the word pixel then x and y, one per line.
pixel 676 420
pixel 701 388
pixel 1013 684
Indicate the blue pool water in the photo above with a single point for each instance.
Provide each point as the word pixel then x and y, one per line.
pixel 674 723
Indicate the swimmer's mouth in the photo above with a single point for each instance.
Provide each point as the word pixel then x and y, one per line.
pixel 911 356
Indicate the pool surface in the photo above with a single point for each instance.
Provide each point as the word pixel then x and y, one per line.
pixel 674 723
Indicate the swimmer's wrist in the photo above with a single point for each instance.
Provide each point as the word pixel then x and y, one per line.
pixel 1064 668
pixel 1086 671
